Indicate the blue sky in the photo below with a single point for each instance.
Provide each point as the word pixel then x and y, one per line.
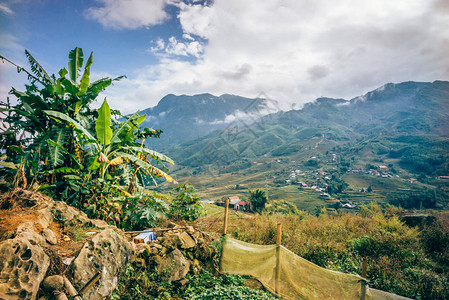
pixel 294 51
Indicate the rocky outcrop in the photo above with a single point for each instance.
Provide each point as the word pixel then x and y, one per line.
pixel 108 252
pixel 23 259
pixel 174 253
pixel 37 230
pixel 23 264
pixel 173 266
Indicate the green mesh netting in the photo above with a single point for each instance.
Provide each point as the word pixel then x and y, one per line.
pixel 299 278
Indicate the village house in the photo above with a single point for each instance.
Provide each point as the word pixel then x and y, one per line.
pixel 383 168
pixel 242 205
pixel 233 201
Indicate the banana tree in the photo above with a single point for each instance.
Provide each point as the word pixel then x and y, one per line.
pixel 111 147
pixel 70 93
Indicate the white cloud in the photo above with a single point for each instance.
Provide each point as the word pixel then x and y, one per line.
pixel 296 51
pixel 185 49
pixel 129 14
pixel 5 9
pixel 173 47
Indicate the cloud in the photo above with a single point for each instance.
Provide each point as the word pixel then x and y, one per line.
pixel 5 9
pixel 129 14
pixel 295 51
pixel 317 72
pixel 179 48
pixel 237 73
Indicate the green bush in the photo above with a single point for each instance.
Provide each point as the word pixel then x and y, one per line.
pixel 186 205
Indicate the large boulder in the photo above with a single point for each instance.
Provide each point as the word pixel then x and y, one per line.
pixel 173 266
pixel 23 264
pixel 108 252
pixel 187 241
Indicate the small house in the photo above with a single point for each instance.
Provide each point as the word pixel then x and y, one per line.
pixel 242 205
pixel 233 201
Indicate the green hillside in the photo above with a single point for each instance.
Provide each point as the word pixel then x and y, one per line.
pixel 401 127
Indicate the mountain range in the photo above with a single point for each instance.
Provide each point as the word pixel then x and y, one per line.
pixel 184 118
pixel 403 109
pixel 223 142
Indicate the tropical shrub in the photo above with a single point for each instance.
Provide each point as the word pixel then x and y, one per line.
pixel 258 199
pixel 136 284
pixel 93 159
pixel 185 205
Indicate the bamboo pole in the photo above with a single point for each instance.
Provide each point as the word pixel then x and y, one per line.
pixel 277 285
pixel 363 282
pixel 278 233
pixel 90 283
pixel 225 224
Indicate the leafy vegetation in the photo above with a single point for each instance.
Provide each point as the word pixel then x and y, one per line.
pixel 407 261
pixel 138 284
pixel 54 141
pixel 185 205
pixel 258 199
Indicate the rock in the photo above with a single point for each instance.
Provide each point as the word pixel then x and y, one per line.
pixel 158 246
pixel 53 283
pixel 50 236
pixel 187 241
pixel 107 252
pixel 63 212
pixel 27 231
pixel 99 224
pixel 23 264
pixel 174 266
pixel 44 216
pixel 190 230
pixel 171 242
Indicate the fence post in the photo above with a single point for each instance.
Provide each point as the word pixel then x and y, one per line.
pixel 363 282
pixel 277 284
pixel 225 224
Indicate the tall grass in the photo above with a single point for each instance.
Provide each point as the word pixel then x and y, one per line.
pixel 400 258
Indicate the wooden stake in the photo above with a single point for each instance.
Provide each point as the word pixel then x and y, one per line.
pixel 277 284
pixel 225 224
pixel 90 283
pixel 279 233
pixel 363 282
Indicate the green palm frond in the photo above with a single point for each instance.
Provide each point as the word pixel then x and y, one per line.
pixel 56 149
pixel 37 69
pixel 75 62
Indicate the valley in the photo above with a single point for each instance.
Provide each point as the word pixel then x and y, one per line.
pixel 392 141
